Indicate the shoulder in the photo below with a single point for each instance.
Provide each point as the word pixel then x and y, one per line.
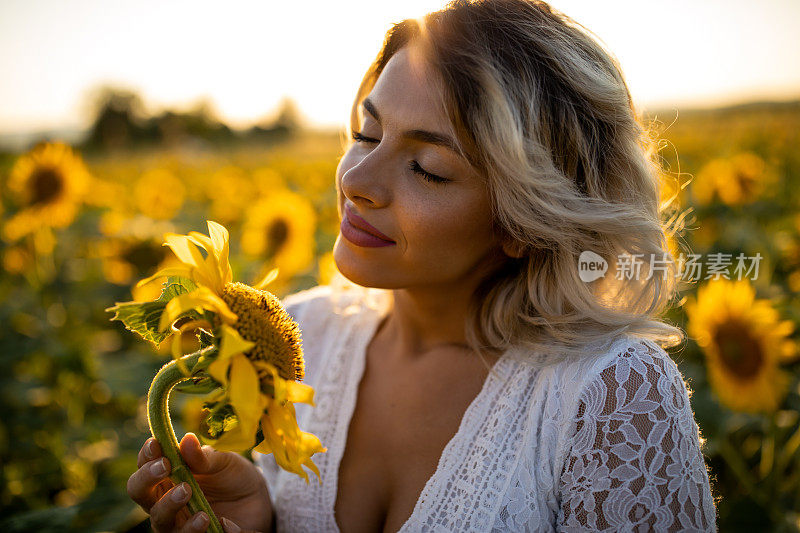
pixel 635 376
pixel 633 434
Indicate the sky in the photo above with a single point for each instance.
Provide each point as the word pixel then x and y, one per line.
pixel 244 57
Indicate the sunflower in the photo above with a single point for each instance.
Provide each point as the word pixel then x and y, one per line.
pixel 737 180
pixel 159 194
pixel 47 184
pixel 230 191
pixel 259 361
pixel 744 341
pixel 327 268
pixel 280 228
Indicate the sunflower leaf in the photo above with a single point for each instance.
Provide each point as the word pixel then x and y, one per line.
pixel 141 318
pixel 175 286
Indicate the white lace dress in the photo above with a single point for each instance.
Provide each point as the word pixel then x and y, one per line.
pixel 607 444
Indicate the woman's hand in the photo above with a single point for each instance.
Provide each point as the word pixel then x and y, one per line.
pixel 231 484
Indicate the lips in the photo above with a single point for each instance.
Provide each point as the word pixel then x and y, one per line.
pixel 363 225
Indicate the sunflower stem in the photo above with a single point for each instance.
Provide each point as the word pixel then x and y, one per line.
pixel 161 428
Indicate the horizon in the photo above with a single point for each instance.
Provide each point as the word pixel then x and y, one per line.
pixel 726 53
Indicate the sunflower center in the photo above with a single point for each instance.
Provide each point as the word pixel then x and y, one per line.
pixel 276 235
pixel 144 256
pixel 46 184
pixel 740 352
pixel 263 321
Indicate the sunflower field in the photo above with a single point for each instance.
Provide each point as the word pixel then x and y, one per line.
pixel 79 226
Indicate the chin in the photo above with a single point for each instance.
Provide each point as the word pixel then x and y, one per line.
pixel 359 271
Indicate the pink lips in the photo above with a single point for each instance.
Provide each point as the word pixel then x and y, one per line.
pixel 360 232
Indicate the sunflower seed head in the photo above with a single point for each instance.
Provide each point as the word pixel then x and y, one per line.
pixel 265 322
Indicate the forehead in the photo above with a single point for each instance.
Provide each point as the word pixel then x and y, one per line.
pixel 409 92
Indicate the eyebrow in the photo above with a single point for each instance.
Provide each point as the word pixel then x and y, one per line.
pixel 429 137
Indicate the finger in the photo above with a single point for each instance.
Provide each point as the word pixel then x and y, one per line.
pixel 145 479
pixel 202 459
pixel 165 510
pixel 198 522
pixel 150 450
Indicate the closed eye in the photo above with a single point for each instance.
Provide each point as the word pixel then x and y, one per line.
pixel 414 165
pixel 360 138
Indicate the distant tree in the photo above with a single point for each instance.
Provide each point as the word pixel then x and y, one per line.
pixel 119 119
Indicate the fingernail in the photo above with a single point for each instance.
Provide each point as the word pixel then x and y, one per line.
pixel 180 493
pixel 158 468
pixel 230 527
pixel 200 520
pixel 149 451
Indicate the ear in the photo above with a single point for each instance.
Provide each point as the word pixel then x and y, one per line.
pixel 513 248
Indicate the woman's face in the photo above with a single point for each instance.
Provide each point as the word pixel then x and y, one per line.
pixel 441 232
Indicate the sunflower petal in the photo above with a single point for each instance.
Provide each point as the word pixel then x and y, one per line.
pixel 232 343
pixel 219 369
pixel 183 272
pixel 299 392
pixel 266 280
pixel 200 298
pixel 177 352
pixel 235 440
pixel 245 395
pixel 221 240
pixel 185 250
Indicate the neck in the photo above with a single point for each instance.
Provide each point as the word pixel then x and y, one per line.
pixel 425 318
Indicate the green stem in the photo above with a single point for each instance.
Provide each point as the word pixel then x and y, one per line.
pixel 161 428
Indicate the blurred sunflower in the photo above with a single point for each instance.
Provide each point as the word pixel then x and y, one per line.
pixel 125 258
pixel 737 180
pixel 280 228
pixel 744 341
pixel 159 194
pixel 17 259
pixel 48 184
pixel 230 191
pixel 134 250
pixel 327 268
pixel 267 179
pixel 260 358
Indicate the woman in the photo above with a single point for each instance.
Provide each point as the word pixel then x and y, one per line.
pixel 469 379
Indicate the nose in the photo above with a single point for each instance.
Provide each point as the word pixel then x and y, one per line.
pixel 367 182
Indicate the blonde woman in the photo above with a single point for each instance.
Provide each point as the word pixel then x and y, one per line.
pixel 467 377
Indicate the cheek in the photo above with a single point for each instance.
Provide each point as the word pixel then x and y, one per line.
pixel 455 227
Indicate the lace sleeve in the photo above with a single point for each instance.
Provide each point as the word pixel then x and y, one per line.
pixel 635 461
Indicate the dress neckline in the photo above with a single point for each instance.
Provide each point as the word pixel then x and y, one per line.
pixel 352 381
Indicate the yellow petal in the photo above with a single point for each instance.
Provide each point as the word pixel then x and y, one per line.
pixel 200 298
pixel 184 249
pixel 232 343
pixel 177 352
pixel 219 369
pixel 266 280
pixel 245 395
pixel 235 440
pixel 220 239
pixel 299 392
pixel 211 265
pixel 183 272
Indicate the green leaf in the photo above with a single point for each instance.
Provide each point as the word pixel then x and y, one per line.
pixel 175 286
pixel 143 317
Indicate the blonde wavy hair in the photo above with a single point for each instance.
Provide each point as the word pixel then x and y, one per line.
pixel 544 114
